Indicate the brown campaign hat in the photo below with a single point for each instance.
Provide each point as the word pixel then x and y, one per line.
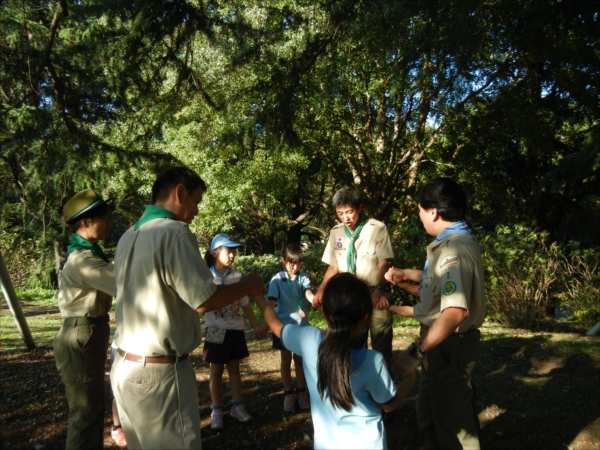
pixel 80 203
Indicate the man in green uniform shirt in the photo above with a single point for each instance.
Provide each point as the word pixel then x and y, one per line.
pixel 451 308
pixel 85 296
pixel 361 245
pixel 162 285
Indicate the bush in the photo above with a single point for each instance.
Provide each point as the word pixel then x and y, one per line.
pixel 268 265
pixel 580 283
pixel 522 274
pixel 525 275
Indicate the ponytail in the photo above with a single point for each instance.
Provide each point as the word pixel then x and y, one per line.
pixel 346 301
pixel 209 259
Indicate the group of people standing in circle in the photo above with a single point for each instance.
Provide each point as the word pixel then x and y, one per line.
pixel 161 284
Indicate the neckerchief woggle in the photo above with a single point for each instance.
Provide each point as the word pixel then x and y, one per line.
pixel 284 276
pixel 218 274
pixel 351 257
pixel 153 212
pixel 79 243
pixel 456 228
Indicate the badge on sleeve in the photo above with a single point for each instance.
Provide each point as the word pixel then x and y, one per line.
pixel 449 288
pixel 448 261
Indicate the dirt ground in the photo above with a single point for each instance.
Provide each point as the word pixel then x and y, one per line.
pixel 536 390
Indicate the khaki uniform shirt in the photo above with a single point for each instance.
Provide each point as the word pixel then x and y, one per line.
pixel 87 286
pixel 161 280
pixel 372 246
pixel 454 278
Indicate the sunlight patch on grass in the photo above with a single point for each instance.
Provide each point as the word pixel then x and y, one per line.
pixel 497 371
pixel 491 412
pixel 542 367
pixel 42 331
pixel 536 381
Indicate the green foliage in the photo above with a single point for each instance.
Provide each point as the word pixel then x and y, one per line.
pixel 264 265
pixel 525 275
pixel 580 283
pixel 268 265
pixel 277 104
pixel 522 274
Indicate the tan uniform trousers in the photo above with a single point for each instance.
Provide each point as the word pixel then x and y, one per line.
pixel 380 328
pixel 80 355
pixel 158 404
pixel 446 413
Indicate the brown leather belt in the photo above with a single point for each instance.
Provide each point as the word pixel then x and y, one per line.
pixel 167 359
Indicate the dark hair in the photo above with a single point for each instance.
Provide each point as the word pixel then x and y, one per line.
pixel 346 196
pixel 346 301
pixel 102 210
pixel 209 259
pixel 446 196
pixel 292 253
pixel 169 178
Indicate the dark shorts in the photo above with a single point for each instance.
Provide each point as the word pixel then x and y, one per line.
pixel 233 347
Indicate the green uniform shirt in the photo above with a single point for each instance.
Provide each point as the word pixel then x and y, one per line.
pixel 372 246
pixel 454 278
pixel 161 280
pixel 87 286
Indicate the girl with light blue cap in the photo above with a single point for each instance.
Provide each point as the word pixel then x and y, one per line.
pixel 225 342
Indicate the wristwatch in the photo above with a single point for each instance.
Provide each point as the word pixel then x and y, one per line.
pixel 415 351
pixel 384 287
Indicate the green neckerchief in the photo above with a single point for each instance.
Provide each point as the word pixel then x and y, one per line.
pixel 351 257
pixel 79 243
pixel 153 212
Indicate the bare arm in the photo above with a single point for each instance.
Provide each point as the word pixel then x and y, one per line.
pixel 403 389
pixel 226 294
pixel 406 311
pixel 270 316
pixel 378 297
pixel 260 331
pixel 412 289
pixel 309 295
pixel 443 327
pixel 396 276
pixel 318 299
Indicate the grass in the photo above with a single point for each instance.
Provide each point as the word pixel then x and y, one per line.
pixel 537 388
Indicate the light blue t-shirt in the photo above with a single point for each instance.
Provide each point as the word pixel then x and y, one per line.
pixel 372 386
pixel 290 297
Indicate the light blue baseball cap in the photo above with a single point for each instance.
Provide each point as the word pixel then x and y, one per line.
pixel 223 240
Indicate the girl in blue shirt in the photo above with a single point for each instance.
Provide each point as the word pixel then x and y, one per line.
pixel 349 385
pixel 291 296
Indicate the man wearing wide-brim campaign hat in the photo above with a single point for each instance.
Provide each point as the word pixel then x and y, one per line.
pixel 85 296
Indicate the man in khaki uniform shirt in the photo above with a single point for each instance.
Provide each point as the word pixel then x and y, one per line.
pixel 368 260
pixel 84 298
pixel 451 308
pixel 162 285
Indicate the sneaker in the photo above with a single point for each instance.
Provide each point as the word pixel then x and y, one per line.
pixel 289 403
pixel 239 412
pixel 118 436
pixel 216 419
pixel 303 401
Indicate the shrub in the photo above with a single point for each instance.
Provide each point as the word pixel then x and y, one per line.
pixel 522 275
pixel 580 283
pixel 268 265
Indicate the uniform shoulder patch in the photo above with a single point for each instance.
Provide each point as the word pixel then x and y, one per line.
pixel 448 261
pixel 449 288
